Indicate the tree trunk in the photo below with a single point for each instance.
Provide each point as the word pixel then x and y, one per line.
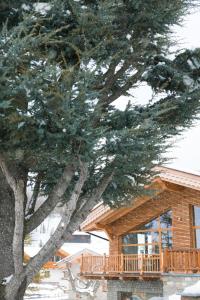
pixel 7 206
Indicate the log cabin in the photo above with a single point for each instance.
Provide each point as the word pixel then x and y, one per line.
pixel 155 238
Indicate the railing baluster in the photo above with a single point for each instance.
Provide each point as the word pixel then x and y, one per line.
pixel 171 260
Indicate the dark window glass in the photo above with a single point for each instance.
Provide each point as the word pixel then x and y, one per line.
pixel 156 249
pixel 130 250
pixel 131 238
pixel 166 220
pixel 166 237
pixel 197 237
pixel 196 216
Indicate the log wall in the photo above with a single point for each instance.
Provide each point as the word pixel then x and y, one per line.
pixel 180 201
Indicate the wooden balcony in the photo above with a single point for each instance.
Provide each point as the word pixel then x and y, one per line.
pixel 142 265
pixel 182 261
pixel 117 266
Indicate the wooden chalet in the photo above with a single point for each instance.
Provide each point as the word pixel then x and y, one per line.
pixel 155 235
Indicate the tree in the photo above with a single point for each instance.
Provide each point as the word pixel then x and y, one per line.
pixel 62 67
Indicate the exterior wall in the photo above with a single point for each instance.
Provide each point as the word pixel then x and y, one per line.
pixel 142 289
pixel 180 202
pixel 115 246
pixel 175 283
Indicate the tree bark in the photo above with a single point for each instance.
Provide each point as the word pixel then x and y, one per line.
pixel 7 223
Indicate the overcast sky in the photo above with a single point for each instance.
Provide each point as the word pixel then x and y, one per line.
pixel 186 151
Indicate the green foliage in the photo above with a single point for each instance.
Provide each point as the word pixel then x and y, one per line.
pixel 61 70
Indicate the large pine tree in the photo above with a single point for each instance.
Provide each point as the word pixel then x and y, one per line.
pixel 62 65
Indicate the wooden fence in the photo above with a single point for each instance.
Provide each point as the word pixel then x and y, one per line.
pixel 178 261
pixel 182 261
pixel 121 264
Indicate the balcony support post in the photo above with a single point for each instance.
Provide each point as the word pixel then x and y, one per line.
pixel 122 262
pixel 104 263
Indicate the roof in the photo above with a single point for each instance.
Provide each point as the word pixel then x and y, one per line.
pixel 78 255
pixel 166 175
pixel 48 264
pixel 180 177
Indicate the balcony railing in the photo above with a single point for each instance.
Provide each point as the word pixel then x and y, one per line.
pixel 121 264
pixel 182 261
pixel 178 261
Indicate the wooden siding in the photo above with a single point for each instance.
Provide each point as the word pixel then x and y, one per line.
pixel 102 216
pixel 179 202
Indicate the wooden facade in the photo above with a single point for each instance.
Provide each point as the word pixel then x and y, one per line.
pixel 154 235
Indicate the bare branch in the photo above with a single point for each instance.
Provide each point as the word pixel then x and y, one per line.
pixel 113 77
pixel 10 179
pixel 31 205
pixel 88 203
pixel 56 240
pixel 53 199
pixel 69 223
pixel 123 89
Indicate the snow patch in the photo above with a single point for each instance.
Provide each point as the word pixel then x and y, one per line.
pixel 188 81
pixel 193 290
pixel 6 280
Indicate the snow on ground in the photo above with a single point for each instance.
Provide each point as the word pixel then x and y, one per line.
pixel 45 291
pixel 193 290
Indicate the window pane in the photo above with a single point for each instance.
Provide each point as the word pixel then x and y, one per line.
pixel 166 239
pixel 166 220
pixel 131 238
pixel 151 225
pixel 156 249
pixel 196 216
pixel 197 236
pixel 155 237
pixel 130 250
pixel 140 238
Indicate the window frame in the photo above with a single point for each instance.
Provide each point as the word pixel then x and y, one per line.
pixel 159 230
pixel 194 227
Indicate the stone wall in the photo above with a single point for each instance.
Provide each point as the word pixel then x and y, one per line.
pixel 139 288
pixel 176 283
pixel 146 289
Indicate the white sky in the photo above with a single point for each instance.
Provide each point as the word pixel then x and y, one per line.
pixel 186 150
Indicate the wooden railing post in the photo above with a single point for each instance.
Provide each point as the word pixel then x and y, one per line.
pixel 81 269
pixel 122 262
pixel 162 261
pixel 165 260
pixel 104 263
pixel 142 264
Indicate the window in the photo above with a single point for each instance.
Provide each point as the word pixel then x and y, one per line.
pixel 196 226
pixel 150 238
